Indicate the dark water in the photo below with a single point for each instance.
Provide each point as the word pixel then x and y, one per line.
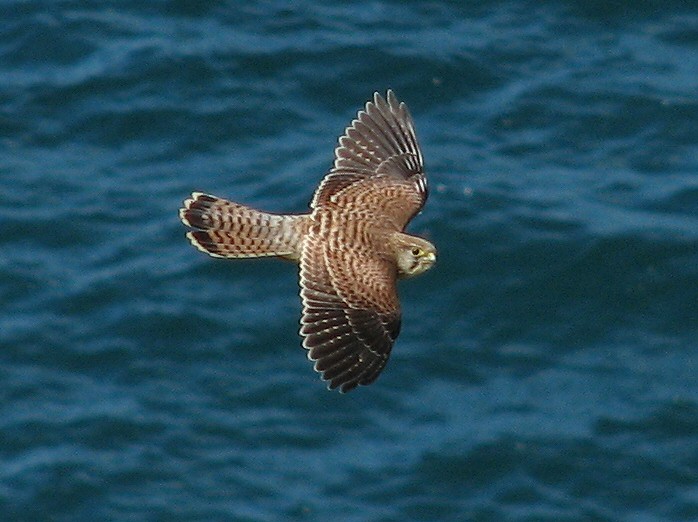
pixel 547 368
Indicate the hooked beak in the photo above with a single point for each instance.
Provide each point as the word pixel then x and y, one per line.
pixel 430 257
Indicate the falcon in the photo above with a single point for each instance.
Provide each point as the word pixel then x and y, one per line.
pixel 351 247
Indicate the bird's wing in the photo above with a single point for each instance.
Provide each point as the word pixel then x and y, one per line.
pixel 351 313
pixel 378 163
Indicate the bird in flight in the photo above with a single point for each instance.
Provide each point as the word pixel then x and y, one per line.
pixel 351 246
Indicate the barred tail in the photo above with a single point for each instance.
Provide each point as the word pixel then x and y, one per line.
pixel 226 229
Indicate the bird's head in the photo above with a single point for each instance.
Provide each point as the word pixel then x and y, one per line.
pixel 414 255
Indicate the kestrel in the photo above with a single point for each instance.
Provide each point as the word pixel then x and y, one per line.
pixel 351 246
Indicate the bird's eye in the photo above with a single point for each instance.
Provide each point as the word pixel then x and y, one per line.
pixel 416 251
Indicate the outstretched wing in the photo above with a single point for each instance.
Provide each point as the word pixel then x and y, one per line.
pixel 351 313
pixel 378 164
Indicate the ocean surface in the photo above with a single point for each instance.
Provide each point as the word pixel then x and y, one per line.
pixel 547 368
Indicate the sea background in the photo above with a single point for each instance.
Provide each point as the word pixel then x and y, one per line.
pixel 547 366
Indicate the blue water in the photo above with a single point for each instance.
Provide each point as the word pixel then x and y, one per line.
pixel 547 366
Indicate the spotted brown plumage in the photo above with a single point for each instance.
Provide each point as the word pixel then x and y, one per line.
pixel 351 247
